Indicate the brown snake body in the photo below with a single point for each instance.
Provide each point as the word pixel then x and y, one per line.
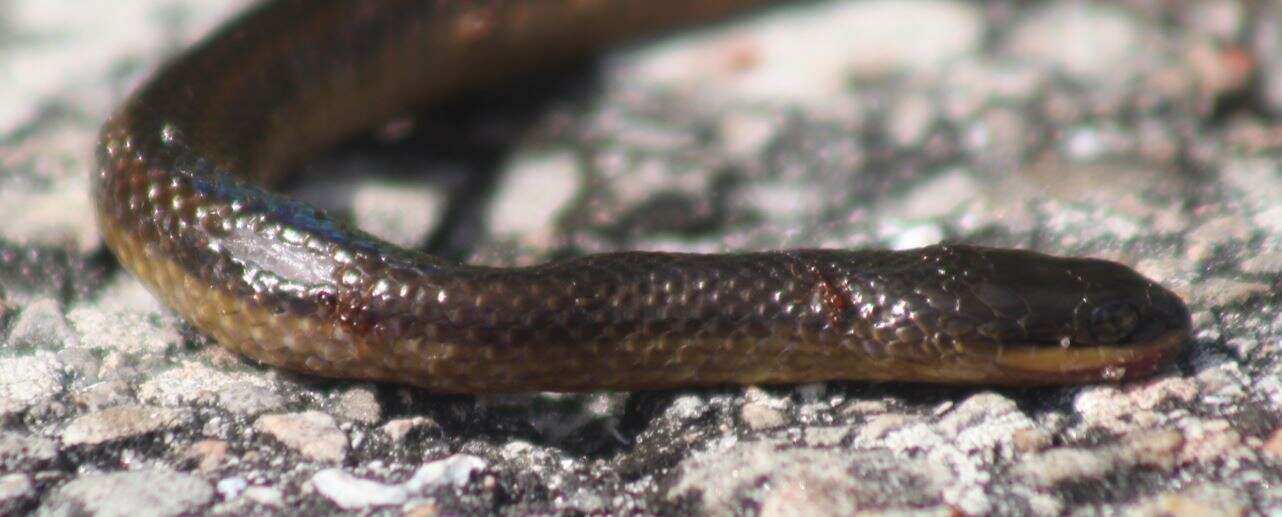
pixel 182 200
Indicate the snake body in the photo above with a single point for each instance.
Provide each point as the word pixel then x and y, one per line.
pixel 181 193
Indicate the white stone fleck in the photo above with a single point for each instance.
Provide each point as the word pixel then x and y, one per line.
pixel 15 486
pixel 359 404
pixel 353 493
pixel 41 325
pixel 312 434
pixel 810 481
pixel 916 236
pixel 249 398
pixel 123 331
pixel 28 380
pixel 808 56
pixel 119 422
pixel 194 381
pixel 149 492
pixel 18 448
pixel 231 487
pixel 455 470
pixel 43 218
pixel 1090 41
pixel 745 134
pixel 534 189
pixel 266 496
pixel 758 416
pixel 397 429
pixel 940 196
pixel 404 213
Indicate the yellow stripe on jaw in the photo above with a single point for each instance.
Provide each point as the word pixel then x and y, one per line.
pixel 1058 360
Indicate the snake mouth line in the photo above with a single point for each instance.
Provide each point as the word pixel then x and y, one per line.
pixel 1093 363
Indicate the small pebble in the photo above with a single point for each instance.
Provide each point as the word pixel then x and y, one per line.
pixel 312 434
pixel 121 422
pixel 151 492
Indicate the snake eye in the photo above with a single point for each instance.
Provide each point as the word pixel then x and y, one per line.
pixel 1113 322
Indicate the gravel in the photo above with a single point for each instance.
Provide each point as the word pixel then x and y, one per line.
pixel 312 434
pixel 150 492
pixel 121 422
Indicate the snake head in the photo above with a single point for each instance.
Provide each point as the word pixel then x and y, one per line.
pixel 1056 319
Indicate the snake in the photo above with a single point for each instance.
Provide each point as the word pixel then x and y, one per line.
pixel 183 192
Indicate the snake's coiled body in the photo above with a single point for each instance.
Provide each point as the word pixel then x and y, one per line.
pixel 181 197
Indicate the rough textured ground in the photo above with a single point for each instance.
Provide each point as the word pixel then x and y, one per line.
pixel 1142 131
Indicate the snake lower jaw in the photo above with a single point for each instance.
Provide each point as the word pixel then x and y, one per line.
pixel 1091 364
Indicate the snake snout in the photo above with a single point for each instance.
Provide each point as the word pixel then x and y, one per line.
pixel 1124 326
